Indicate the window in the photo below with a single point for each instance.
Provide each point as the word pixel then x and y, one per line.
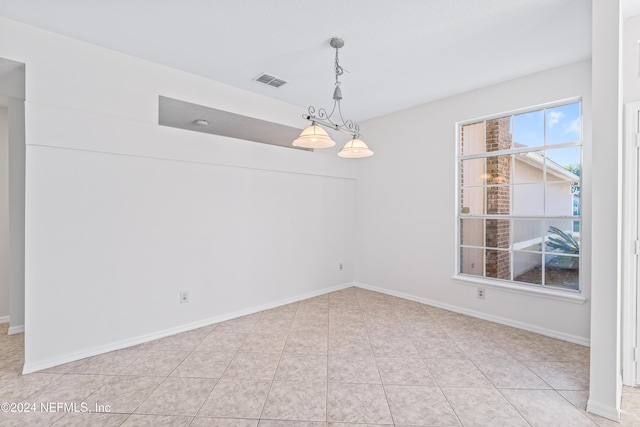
pixel 519 197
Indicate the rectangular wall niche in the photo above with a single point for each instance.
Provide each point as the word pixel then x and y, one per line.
pixel 183 115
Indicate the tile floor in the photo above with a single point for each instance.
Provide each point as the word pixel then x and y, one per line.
pixel 349 358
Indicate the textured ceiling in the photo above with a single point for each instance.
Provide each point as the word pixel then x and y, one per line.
pixel 398 53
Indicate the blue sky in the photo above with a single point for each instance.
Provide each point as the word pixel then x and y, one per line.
pixel 561 124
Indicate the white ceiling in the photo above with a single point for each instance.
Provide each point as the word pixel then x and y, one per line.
pixel 398 53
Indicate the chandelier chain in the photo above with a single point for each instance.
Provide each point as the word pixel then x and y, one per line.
pixel 339 69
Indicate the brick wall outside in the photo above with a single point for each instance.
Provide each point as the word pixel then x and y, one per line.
pixel 498 137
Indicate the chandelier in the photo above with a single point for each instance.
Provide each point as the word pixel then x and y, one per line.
pixel 316 137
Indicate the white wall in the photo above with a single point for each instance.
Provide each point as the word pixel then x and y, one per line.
pixel 122 214
pixel 17 153
pixel 406 203
pixel 605 378
pixel 4 214
pixel 631 59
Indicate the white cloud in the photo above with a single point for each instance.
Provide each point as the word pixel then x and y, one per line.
pixel 573 126
pixel 554 117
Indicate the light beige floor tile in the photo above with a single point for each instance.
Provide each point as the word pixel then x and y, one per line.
pixel 393 347
pixel 438 349
pixel 180 342
pixel 562 375
pixel 354 368
pixel 177 396
pixel 272 326
pixel 70 388
pixel 222 341
pixel 526 350
pixel 264 343
pixel 91 419
pixel 510 374
pixel 306 342
pixel 576 398
pixel 419 405
pixel 66 368
pixel 345 327
pixel 14 419
pixel 235 398
pixel 484 350
pixel 357 403
pixel 155 363
pixel 357 425
pixel 112 363
pixel 18 388
pixel 301 401
pixel 257 366
pixel 122 394
pixel 404 372
pixel 457 373
pixel 242 324
pixel 381 332
pixel 203 364
pixel 280 423
pixel 302 367
pixel 136 420
pixel 544 408
pixel 424 331
pixel 222 422
pixel 482 407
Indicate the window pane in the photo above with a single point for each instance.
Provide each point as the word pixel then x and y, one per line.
pixel 562 271
pixel 563 124
pixel 498 169
pixel 528 167
pixel 498 264
pixel 559 199
pixel 472 201
pixel 563 236
pixel 471 261
pixel 498 200
pixel 472 139
pixel 563 164
pixel 527 267
pixel 528 199
pixel 528 129
pixel 498 134
pixel 527 235
pixel 563 167
pixel 472 232
pixel 472 172
pixel 498 233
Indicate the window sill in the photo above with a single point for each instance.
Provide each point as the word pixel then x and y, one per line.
pixel 568 296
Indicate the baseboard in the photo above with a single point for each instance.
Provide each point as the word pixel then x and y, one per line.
pixel 94 351
pixel 15 330
pixel 605 411
pixel 496 319
pixel 4 319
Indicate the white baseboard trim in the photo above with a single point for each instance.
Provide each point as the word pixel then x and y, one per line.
pixel 4 319
pixel 94 351
pixel 503 321
pixel 15 330
pixel 605 411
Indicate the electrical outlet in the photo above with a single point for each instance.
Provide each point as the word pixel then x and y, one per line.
pixel 340 266
pixel 480 293
pixel 184 297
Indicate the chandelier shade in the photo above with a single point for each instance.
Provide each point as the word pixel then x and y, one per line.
pixel 355 149
pixel 314 137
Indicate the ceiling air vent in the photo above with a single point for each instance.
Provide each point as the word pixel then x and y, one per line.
pixel 270 80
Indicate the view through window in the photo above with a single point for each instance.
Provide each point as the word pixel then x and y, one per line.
pixel 519 197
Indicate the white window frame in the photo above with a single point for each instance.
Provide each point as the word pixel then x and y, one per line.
pixel 569 295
